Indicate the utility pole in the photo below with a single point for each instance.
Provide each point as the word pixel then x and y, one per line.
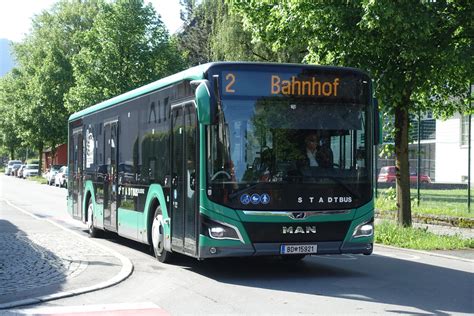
pixel 418 167
pixel 469 154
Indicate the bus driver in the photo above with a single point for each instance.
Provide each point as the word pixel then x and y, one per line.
pixel 317 155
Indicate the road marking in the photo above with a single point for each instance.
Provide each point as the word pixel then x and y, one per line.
pixel 123 309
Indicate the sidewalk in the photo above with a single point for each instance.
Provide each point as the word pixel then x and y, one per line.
pixel 40 260
pixel 464 233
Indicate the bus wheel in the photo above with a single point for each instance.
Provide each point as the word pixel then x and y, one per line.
pixel 158 237
pixel 93 232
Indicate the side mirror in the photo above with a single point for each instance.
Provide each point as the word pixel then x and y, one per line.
pixel 377 124
pixel 205 101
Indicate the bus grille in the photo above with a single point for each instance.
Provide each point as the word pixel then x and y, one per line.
pixel 296 232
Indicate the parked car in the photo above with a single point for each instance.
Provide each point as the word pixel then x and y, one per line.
pixel 423 178
pixel 15 169
pixel 52 173
pixel 9 166
pixel 30 170
pixel 388 175
pixel 61 177
pixel 19 173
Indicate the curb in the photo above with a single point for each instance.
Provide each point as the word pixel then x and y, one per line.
pixel 125 272
pixel 433 254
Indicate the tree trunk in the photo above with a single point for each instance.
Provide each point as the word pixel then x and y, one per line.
pixel 402 164
pixel 40 163
pixel 12 153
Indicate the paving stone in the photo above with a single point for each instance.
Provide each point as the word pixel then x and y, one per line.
pixel 29 261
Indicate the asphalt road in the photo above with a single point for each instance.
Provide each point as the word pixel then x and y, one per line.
pixel 389 281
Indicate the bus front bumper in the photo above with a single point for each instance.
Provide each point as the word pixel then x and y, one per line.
pixel 273 249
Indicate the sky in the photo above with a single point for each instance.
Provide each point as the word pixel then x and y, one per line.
pixel 16 15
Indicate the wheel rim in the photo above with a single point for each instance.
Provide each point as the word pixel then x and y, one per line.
pixel 90 211
pixel 157 234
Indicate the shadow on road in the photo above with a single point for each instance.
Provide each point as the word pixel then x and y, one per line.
pixel 376 278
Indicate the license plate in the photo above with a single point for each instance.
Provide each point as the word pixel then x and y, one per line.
pixel 294 249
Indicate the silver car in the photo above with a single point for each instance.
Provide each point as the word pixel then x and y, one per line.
pixel 30 170
pixel 9 167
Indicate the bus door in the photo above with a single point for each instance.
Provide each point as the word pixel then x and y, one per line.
pixel 184 209
pixel 77 172
pixel 110 174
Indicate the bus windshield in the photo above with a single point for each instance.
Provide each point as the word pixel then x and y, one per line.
pixel 276 153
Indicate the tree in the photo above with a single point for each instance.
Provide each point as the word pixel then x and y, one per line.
pixel 230 41
pixel 77 54
pixel 127 47
pixel 44 73
pixel 9 140
pixel 419 54
pixel 194 41
pixel 211 33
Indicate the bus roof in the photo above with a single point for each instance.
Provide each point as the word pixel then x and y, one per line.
pixel 194 73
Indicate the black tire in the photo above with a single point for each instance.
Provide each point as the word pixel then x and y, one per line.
pixel 157 238
pixel 369 252
pixel 93 231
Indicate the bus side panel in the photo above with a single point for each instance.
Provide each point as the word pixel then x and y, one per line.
pixel 128 223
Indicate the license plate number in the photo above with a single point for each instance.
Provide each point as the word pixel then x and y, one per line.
pixel 294 249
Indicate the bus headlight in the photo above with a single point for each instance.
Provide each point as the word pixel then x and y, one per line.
pixel 219 230
pixel 364 230
pixel 222 232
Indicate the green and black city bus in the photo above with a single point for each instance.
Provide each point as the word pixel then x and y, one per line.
pixel 211 162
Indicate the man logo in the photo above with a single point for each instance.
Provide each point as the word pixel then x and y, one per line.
pixel 298 230
pixel 298 215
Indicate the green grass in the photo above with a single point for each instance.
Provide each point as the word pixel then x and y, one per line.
pixel 38 179
pixel 388 233
pixel 432 202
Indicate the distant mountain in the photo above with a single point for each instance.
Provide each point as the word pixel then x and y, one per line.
pixel 6 58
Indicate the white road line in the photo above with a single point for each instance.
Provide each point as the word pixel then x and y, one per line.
pixel 58 310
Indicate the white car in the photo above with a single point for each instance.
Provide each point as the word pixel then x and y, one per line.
pixel 52 173
pixel 61 177
pixel 30 170
pixel 9 167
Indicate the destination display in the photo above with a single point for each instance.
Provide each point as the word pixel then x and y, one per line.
pixel 346 86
